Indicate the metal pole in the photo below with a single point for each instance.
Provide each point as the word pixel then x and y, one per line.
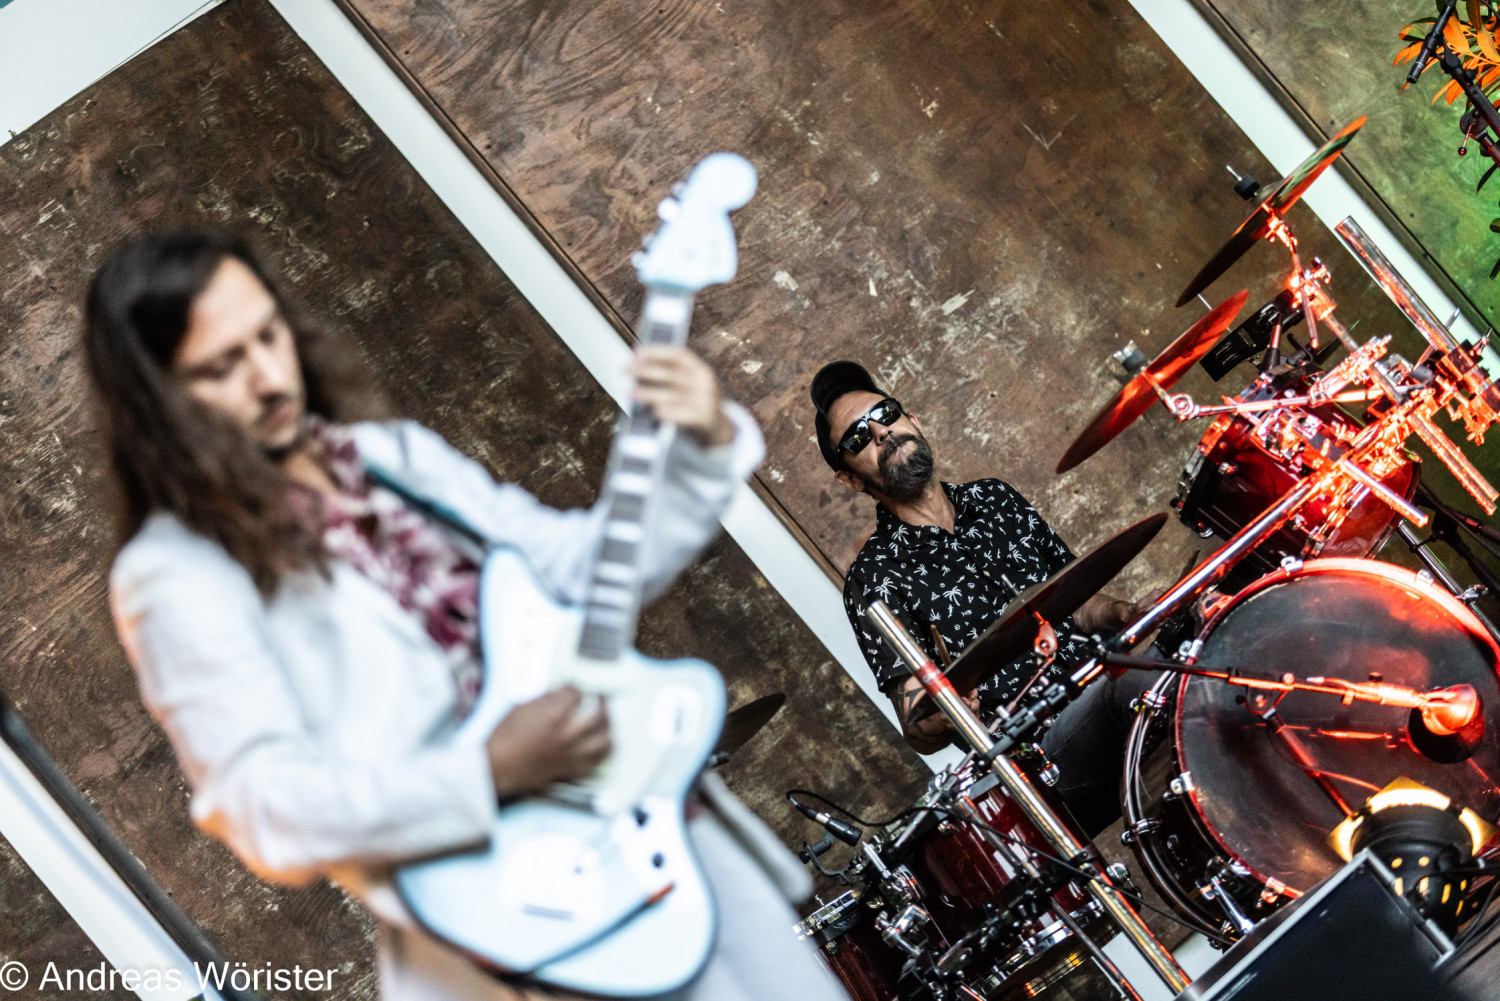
pixel 1024 793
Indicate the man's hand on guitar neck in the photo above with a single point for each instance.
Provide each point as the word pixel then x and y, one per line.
pixel 679 387
pixel 545 741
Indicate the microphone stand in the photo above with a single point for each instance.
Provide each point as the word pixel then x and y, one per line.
pixel 1030 801
pixel 1481 118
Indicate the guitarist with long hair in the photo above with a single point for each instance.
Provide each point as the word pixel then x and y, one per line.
pixel 307 635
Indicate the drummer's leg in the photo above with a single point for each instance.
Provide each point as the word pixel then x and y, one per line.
pixel 1087 743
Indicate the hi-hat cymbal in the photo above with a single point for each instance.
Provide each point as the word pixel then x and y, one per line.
pixel 1283 197
pixel 1056 598
pixel 745 722
pixel 1137 395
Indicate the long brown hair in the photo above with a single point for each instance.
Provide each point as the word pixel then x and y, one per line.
pixel 169 452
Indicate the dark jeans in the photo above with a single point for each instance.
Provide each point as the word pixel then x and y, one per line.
pixel 1087 743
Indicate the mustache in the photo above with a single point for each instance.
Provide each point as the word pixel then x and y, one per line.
pixel 271 404
pixel 889 447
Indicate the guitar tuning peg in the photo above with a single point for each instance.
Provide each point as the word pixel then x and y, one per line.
pixel 668 209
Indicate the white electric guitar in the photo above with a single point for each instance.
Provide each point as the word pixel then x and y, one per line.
pixel 593 887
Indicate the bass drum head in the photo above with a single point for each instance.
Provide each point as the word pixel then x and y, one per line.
pixel 1332 618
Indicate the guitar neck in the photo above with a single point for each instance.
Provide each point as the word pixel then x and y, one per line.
pixel 637 465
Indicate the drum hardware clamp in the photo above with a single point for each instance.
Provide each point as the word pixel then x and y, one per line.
pixel 1180 786
pixel 896 932
pixel 1139 829
pixel 1214 890
pixel 1151 701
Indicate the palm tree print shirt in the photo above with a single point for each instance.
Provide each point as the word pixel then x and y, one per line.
pixel 959 583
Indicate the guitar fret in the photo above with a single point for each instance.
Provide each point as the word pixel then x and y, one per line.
pixel 630 506
pixel 634 485
pixel 609 596
pixel 663 333
pixel 618 551
pixel 639 448
pixel 615 573
pixel 624 531
pixel 635 465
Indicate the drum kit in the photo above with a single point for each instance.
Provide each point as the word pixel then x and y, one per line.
pixel 1310 675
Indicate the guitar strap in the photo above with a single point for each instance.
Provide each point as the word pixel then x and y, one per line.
pixel 433 509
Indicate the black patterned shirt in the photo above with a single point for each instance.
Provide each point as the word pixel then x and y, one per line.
pixel 959 583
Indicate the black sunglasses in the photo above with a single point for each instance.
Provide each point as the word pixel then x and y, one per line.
pixel 886 412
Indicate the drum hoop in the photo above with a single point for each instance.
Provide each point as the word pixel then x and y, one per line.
pixel 1336 565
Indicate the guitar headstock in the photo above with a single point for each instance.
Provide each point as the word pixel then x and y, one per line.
pixel 695 246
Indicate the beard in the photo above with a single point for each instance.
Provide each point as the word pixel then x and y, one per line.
pixel 279 452
pixel 904 479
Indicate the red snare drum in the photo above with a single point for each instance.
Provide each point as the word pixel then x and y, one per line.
pixel 1210 795
pixel 960 874
pixel 1244 464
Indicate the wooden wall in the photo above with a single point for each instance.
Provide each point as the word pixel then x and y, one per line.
pixel 232 121
pixel 979 200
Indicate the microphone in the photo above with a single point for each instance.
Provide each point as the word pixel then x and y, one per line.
pixel 845 832
pixel 1448 726
pixel 1430 43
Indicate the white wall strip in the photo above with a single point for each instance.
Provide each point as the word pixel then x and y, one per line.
pixel 78 876
pixel 1276 134
pixel 549 289
pixel 51 50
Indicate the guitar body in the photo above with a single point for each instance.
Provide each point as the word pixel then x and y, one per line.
pixel 564 889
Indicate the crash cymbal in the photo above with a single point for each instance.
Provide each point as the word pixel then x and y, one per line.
pixel 1137 395
pixel 1283 197
pixel 745 722
pixel 1056 598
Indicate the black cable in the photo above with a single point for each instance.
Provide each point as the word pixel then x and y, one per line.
pixel 1134 898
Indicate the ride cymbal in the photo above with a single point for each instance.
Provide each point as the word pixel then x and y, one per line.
pixel 1281 198
pixel 1054 599
pixel 1137 395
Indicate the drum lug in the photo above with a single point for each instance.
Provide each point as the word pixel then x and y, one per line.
pixel 1189 650
pixel 1425 576
pixel 1148 701
pixel 1179 786
pixel 1137 829
pixel 1273 891
pixel 1291 564
pixel 896 932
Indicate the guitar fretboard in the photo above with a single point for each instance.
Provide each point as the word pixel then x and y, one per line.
pixel 635 471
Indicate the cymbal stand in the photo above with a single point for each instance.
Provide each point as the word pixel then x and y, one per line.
pixel 1277 229
pixel 941 690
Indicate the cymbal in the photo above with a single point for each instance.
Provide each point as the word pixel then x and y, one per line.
pixel 1137 395
pixel 745 722
pixel 1054 599
pixel 1277 202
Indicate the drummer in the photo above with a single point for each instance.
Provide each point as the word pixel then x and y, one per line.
pixel 947 558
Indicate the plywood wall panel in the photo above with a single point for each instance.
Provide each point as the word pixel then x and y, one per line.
pixel 980 201
pixel 233 121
